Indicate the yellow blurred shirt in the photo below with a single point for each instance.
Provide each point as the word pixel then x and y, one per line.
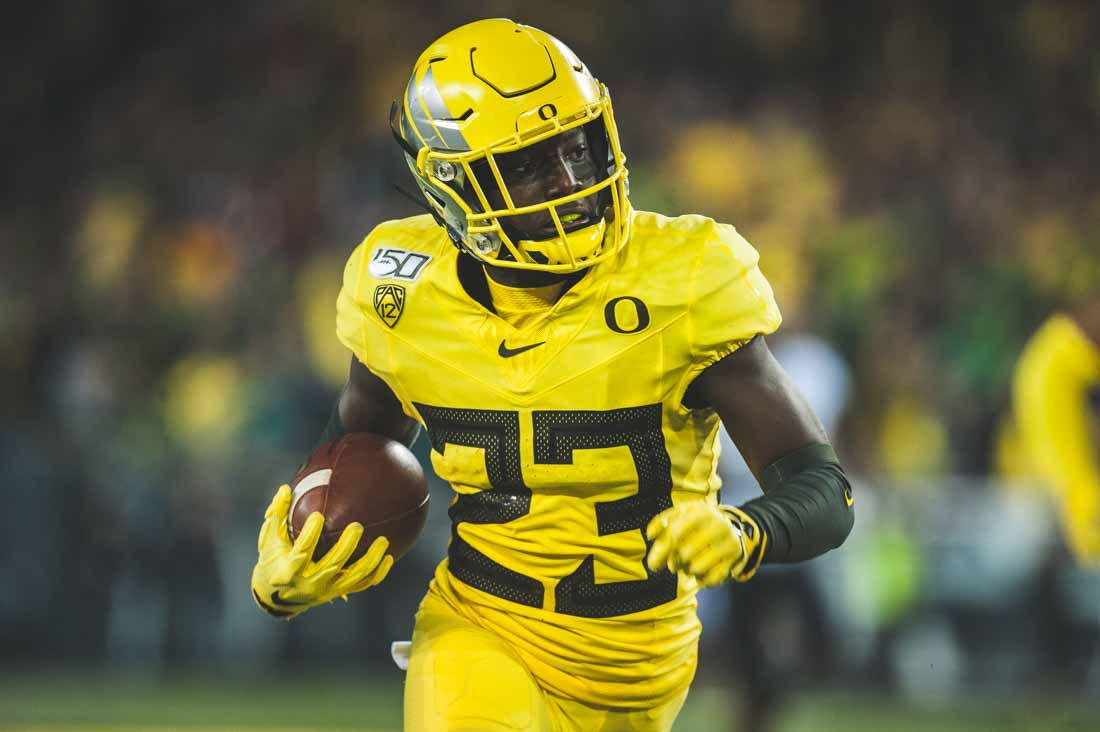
pixel 1053 377
pixel 564 437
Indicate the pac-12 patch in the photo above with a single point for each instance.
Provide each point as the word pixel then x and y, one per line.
pixel 389 302
pixel 397 264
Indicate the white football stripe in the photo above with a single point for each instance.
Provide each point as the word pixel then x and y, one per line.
pixel 316 479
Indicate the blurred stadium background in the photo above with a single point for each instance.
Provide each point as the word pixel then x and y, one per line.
pixel 182 182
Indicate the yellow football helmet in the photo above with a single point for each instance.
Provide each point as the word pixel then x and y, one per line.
pixel 493 87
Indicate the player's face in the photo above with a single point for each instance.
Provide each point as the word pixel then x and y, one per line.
pixel 544 171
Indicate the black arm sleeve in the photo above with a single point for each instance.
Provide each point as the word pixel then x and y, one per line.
pixel 806 509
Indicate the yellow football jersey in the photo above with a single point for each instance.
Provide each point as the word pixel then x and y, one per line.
pixel 563 438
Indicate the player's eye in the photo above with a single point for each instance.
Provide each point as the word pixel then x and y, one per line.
pixel 578 153
pixel 521 171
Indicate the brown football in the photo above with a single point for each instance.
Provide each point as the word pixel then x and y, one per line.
pixel 366 478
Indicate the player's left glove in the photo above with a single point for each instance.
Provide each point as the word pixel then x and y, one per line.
pixel 710 543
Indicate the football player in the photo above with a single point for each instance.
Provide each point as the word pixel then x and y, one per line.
pixel 1059 366
pixel 569 358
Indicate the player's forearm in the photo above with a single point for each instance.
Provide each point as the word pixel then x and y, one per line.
pixel 403 430
pixel 367 404
pixel 806 509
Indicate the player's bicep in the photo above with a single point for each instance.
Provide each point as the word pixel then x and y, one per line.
pixel 367 404
pixel 761 408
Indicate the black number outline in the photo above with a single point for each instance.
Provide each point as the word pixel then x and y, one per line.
pixel 557 434
pixel 497 433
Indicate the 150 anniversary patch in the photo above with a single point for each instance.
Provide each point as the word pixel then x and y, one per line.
pixel 397 264
pixel 389 302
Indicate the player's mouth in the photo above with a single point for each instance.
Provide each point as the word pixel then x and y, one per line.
pixel 570 221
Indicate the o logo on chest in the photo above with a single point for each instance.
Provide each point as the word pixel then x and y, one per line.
pixel 626 314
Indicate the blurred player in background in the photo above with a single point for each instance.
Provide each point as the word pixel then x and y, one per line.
pixel 570 359
pixel 1056 372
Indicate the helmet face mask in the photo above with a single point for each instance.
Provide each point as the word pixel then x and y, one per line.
pixel 543 172
pixel 535 114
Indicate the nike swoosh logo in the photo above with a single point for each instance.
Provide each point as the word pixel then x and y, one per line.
pixel 271 609
pixel 506 352
pixel 276 600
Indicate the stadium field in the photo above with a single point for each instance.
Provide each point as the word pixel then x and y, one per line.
pixel 37 703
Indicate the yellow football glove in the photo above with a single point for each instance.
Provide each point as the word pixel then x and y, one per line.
pixel 710 543
pixel 285 582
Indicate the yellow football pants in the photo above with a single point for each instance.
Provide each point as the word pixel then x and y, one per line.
pixel 464 678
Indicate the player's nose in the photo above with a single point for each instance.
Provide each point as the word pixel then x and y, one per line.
pixel 562 180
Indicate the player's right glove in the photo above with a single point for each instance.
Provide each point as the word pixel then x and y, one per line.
pixel 286 582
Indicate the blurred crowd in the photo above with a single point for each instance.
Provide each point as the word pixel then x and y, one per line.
pixel 183 182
